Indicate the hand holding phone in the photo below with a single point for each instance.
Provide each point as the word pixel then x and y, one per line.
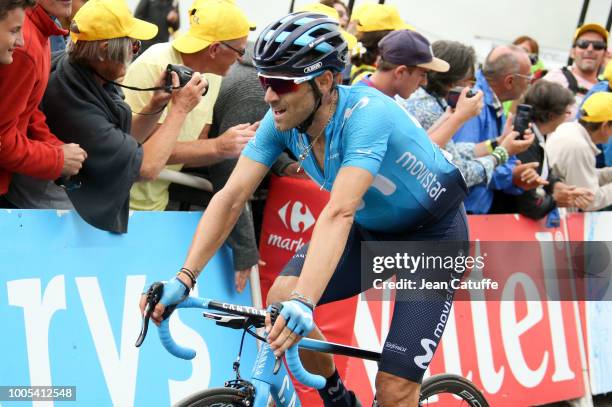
pixel 522 119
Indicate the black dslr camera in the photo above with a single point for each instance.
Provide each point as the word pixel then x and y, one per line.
pixel 184 75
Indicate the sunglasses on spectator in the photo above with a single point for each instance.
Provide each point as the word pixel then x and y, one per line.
pixel 584 44
pixel 240 52
pixel 136 44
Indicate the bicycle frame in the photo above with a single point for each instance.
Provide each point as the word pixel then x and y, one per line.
pixel 269 376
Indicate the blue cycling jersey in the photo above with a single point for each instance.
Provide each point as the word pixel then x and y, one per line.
pixel 414 184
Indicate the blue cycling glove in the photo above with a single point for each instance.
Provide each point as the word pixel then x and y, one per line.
pixel 298 317
pixel 175 291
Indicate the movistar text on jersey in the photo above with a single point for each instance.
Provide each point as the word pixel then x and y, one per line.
pixel 410 263
pixel 422 173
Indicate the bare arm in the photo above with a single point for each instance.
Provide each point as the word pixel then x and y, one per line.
pixel 467 108
pixel 223 211
pixel 204 151
pixel 160 145
pixel 144 122
pixel 331 231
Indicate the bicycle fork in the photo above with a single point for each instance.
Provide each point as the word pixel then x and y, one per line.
pixel 270 378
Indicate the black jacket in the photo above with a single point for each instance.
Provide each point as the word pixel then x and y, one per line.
pixel 528 203
pixel 79 110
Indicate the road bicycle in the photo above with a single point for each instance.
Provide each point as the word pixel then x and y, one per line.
pixel 269 376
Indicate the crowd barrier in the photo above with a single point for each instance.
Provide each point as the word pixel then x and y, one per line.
pixel 69 310
pixel 68 306
pixel 521 353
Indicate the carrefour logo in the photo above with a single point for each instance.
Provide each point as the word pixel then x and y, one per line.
pixel 296 216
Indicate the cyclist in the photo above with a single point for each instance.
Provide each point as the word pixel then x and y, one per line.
pixel 361 145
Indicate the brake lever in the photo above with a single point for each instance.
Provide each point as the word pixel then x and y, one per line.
pixel 154 294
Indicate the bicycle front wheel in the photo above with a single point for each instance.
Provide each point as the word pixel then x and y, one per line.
pixel 450 390
pixel 221 397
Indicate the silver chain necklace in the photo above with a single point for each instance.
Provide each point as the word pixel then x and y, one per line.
pixel 306 150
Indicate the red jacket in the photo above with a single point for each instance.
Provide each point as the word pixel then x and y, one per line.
pixel 27 146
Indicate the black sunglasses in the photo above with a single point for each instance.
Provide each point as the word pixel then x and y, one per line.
pixel 240 52
pixel 597 45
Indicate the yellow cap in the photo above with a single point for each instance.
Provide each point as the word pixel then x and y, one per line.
pixel 213 20
pixel 379 17
pixel 108 19
pixel 607 73
pixel 599 29
pixel 331 12
pixel 597 108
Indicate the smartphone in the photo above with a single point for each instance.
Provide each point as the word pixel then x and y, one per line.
pixel 454 93
pixel 522 119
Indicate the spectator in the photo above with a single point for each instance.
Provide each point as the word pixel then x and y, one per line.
pixel 343 11
pixel 240 100
pixel 588 52
pixel 602 86
pixel 505 76
pixel 532 48
pixel 12 14
pixel 164 14
pixel 215 40
pixel 28 146
pixel 92 112
pixel 404 61
pixel 372 22
pixel 571 149
pixel 430 107
pixel 551 105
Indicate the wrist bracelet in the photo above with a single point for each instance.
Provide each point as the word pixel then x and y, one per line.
pixel 501 154
pixel 295 295
pixel 489 146
pixel 188 273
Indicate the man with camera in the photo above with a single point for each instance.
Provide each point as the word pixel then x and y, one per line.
pixel 504 76
pixel 28 146
pixel 588 52
pixel 216 39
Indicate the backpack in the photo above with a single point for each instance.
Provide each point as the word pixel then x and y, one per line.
pixel 572 83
